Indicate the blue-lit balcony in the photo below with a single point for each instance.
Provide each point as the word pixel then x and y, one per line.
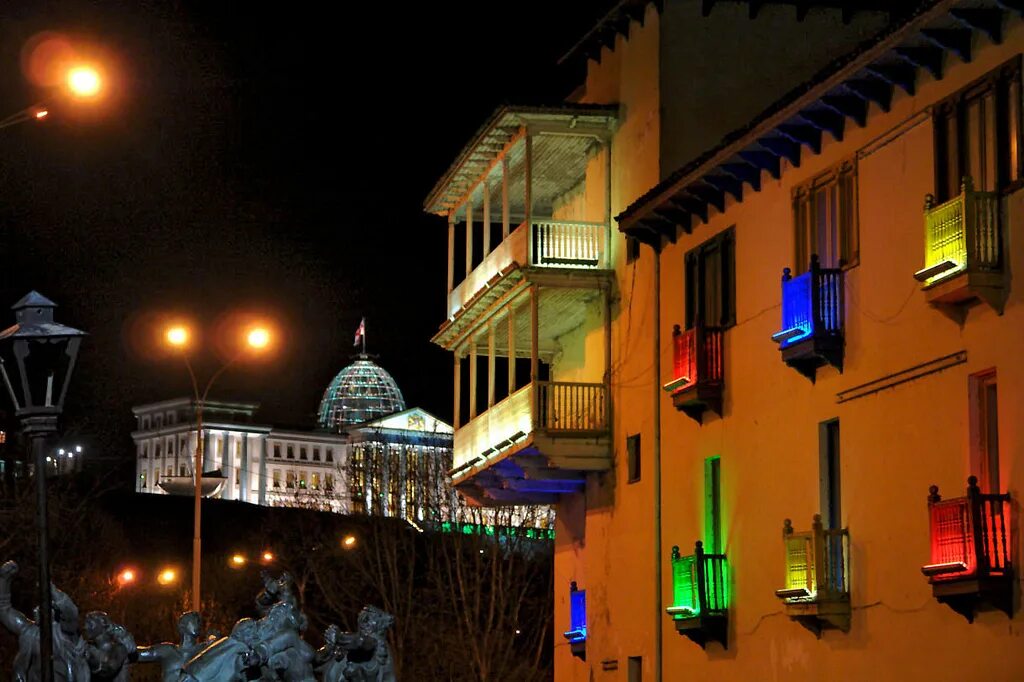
pixel 576 635
pixel 812 319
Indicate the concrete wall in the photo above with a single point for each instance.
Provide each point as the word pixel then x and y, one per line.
pixel 719 71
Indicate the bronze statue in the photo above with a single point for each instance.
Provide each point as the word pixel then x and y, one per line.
pixel 70 662
pixel 362 656
pixel 226 660
pixel 172 657
pixel 109 647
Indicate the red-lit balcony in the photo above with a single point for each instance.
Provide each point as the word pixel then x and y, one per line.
pixel 698 371
pixel 817 592
pixel 812 319
pixel 970 550
pixel 963 251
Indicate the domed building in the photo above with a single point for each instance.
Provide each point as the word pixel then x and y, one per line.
pixel 361 392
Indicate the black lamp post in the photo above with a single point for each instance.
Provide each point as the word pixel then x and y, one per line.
pixel 44 353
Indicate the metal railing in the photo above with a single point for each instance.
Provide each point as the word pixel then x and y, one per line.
pixel 969 535
pixel 817 563
pixel 573 407
pixel 566 244
pixel 812 304
pixel 961 234
pixel 699 584
pixel 696 357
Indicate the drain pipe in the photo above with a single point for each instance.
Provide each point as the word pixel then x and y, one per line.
pixel 656 451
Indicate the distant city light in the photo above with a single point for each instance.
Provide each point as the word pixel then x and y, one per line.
pixel 167 577
pixel 349 542
pixel 126 577
pixel 238 560
pixel 268 557
pixel 78 448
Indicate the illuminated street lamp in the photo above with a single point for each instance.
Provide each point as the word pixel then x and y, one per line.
pixel 42 355
pixel 82 82
pixel 179 337
pixel 349 542
pixel 238 561
pixel 167 577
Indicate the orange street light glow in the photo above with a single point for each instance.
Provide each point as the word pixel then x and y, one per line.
pixel 177 336
pixel 126 577
pixel 268 557
pixel 349 542
pixel 84 81
pixel 237 561
pixel 258 338
pixel 166 577
pixel 41 114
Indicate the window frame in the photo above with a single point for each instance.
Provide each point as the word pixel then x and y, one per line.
pixel 694 273
pixel 803 195
pixel 634 458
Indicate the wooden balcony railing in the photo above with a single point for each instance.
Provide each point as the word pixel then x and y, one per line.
pixel 817 563
pixel 812 304
pixel 572 407
pixel 962 234
pixel 696 357
pixel 699 584
pixel 564 244
pixel 970 536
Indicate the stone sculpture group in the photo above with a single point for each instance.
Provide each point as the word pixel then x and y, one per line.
pixel 269 648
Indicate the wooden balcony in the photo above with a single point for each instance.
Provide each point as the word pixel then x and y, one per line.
pixel 547 244
pixel 817 592
pixel 576 635
pixel 537 444
pixel 700 596
pixel 812 319
pixel 971 563
pixel 698 371
pixel 964 251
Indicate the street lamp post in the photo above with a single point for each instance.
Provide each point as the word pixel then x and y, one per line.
pixel 82 82
pixel 179 337
pixel 44 353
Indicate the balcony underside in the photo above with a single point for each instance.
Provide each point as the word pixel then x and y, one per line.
pixel 538 471
pixel 704 628
pixel 562 306
pixel 702 397
pixel 951 294
pixel 969 594
pixel 821 614
pixel 813 352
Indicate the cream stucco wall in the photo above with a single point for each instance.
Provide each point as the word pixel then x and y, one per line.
pixel 894 444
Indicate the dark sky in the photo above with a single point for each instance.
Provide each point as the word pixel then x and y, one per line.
pixel 267 157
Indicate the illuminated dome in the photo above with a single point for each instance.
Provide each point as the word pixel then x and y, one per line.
pixel 361 392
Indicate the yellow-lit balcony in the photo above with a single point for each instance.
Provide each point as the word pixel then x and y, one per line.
pixel 963 255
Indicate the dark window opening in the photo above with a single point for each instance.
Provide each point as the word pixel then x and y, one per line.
pixel 711 282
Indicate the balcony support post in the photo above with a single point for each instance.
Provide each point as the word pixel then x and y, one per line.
pixel 607 260
pixel 487 218
pixel 469 236
pixel 534 349
pixel 451 252
pixel 472 378
pixel 505 227
pixel 457 391
pixel 490 365
pixel 511 348
pixel 528 198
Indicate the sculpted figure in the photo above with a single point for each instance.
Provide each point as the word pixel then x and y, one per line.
pixel 275 590
pixel 366 653
pixel 172 657
pixel 282 652
pixel 109 647
pixel 226 660
pixel 70 662
pixel 330 659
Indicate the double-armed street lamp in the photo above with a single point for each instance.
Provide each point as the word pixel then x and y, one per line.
pixel 82 82
pixel 41 353
pixel 255 340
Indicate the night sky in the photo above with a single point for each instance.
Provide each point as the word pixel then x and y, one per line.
pixel 271 159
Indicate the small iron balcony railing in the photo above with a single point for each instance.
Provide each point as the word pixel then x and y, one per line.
pixel 961 234
pixel 817 563
pixel 699 584
pixel 812 304
pixel 696 357
pixel 970 536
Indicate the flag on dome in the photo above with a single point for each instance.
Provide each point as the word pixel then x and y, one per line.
pixel 361 333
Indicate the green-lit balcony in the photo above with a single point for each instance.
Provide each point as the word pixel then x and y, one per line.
pixel 817 592
pixel 963 251
pixel 700 596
